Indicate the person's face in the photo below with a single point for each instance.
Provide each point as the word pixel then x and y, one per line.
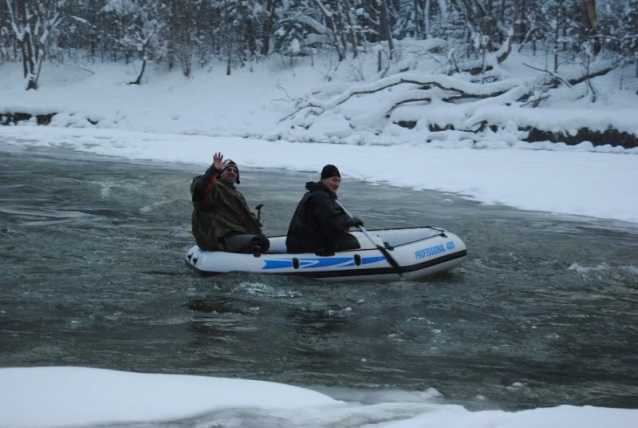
pixel 230 174
pixel 332 183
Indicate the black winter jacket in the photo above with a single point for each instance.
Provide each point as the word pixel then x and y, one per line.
pixel 319 223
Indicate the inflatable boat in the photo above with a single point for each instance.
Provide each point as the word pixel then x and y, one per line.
pixel 410 253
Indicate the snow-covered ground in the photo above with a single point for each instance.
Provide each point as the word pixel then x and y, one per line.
pixel 247 116
pixel 74 396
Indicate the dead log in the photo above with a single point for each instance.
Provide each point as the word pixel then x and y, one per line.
pixel 459 90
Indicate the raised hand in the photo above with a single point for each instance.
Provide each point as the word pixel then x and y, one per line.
pixel 218 161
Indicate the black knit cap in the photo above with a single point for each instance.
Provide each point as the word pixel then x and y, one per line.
pixel 229 163
pixel 329 171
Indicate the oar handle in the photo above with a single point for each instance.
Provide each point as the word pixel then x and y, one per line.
pixel 258 208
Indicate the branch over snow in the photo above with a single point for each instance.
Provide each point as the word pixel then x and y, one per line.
pixel 457 89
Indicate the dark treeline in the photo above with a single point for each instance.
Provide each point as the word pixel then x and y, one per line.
pixel 183 34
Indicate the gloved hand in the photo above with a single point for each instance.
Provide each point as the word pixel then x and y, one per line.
pixel 355 222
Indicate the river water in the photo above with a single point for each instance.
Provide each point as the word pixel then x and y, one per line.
pixel 543 312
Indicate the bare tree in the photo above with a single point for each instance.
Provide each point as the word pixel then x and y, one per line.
pixel 181 32
pixel 142 20
pixel 271 9
pixel 329 17
pixel 386 27
pixel 34 24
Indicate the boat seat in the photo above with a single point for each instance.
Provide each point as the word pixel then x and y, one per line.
pixel 278 245
pixel 366 244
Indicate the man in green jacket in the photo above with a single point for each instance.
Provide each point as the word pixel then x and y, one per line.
pixel 222 220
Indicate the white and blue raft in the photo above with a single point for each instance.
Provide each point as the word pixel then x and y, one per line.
pixel 408 253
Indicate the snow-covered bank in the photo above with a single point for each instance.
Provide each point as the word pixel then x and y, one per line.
pixel 71 396
pixel 348 104
pixel 572 181
pixel 170 118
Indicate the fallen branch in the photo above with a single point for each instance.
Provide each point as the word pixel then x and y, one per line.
pixel 554 75
pixel 460 90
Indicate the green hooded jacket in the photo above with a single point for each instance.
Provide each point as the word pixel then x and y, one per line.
pixel 220 210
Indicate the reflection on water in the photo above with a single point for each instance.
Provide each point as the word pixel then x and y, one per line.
pixel 542 312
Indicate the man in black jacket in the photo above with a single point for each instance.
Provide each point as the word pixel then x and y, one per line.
pixel 222 220
pixel 319 224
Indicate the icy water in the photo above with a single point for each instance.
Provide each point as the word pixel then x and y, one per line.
pixel 543 312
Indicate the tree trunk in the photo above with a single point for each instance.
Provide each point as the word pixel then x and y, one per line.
pixel 590 10
pixel 138 81
pixel 509 40
pixel 229 57
pixel 338 19
pixel 335 33
pixel 352 36
pixel 425 27
pixel 265 44
pixel 592 23
pixel 557 38
pixel 516 12
pixel 386 27
pixel 29 51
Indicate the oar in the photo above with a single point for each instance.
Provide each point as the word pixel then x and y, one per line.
pixel 385 252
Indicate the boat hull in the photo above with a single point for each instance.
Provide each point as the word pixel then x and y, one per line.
pixel 419 252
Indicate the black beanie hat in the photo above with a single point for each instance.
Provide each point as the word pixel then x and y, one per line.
pixel 229 163
pixel 330 171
